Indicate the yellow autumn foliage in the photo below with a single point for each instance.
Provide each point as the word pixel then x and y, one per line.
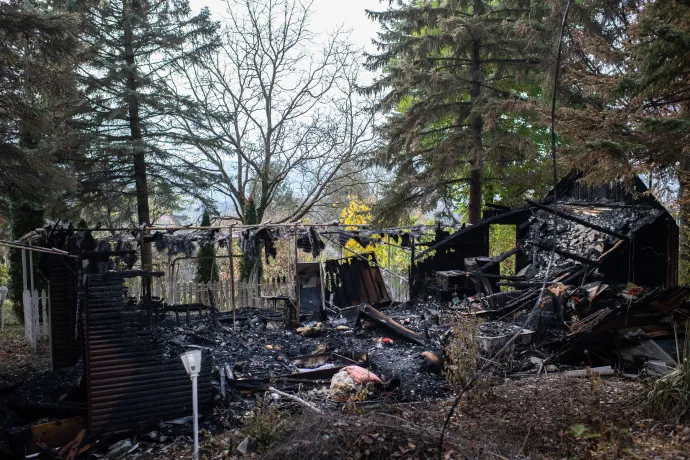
pixel 358 212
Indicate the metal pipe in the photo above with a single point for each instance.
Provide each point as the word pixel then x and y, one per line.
pixel 53 251
pixel 232 280
pixel 31 270
pixel 244 227
pixel 24 268
pixel 195 405
pixel 297 300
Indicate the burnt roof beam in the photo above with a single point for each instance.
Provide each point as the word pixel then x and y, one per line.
pixel 568 216
pixel 469 228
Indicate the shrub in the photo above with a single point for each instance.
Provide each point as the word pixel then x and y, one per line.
pixel 462 352
pixel 265 424
pixel 668 397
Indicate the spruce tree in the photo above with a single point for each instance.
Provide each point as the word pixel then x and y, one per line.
pixel 206 266
pixel 657 85
pixel 628 95
pixel 130 147
pixel 39 48
pixel 247 264
pixel 455 74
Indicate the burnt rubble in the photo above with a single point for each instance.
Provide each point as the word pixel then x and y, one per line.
pixel 609 297
pixel 608 302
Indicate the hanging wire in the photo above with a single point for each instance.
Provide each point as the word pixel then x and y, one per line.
pixel 535 309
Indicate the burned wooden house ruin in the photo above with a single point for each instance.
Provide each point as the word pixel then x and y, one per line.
pixel 612 286
pixel 610 298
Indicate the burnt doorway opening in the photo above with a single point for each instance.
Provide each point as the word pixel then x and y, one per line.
pixel 502 238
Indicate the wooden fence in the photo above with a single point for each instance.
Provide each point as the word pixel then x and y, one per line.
pixel 247 293
pixel 36 321
pixel 398 286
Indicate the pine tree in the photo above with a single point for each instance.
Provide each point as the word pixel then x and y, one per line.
pixel 130 148
pixel 628 95
pixel 455 73
pixel 39 48
pixel 247 264
pixel 206 266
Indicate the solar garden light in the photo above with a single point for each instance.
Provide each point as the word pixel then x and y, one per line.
pixel 3 294
pixel 192 364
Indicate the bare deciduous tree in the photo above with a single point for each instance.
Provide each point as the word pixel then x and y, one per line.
pixel 275 111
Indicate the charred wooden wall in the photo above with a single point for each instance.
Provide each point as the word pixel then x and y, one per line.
pixel 354 281
pixel 65 349
pixel 450 256
pixel 130 377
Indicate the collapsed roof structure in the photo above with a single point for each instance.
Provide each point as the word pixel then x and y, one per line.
pixel 614 277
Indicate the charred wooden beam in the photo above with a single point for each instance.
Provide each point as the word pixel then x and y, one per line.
pixel 315 376
pixel 469 228
pixel 388 322
pixel 525 284
pixel 477 274
pixel 499 258
pixel 613 249
pixel 568 216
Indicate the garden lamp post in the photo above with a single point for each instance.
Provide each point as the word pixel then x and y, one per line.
pixel 192 364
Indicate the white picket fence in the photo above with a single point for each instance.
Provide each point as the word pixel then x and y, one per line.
pixel 398 286
pixel 247 294
pixel 36 326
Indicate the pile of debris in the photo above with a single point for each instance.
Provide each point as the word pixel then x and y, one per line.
pixel 604 279
pixel 599 268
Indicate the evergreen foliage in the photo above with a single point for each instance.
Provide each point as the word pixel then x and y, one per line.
pixel 627 96
pixel 456 75
pixel 206 269
pixel 38 50
pixel 130 149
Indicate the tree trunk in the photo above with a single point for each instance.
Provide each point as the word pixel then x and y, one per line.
pixel 475 202
pixel 476 158
pixel 139 157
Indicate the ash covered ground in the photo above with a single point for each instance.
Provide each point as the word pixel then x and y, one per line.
pixel 263 348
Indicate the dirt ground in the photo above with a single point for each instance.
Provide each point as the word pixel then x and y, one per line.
pixel 18 362
pixel 551 416
pixel 540 418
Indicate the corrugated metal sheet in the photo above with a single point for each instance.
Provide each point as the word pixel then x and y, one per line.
pixel 129 378
pixel 65 349
pixel 354 281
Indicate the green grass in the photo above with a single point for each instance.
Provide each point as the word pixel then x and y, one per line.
pixel 11 319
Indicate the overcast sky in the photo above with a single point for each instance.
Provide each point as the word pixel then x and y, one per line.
pixel 327 15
